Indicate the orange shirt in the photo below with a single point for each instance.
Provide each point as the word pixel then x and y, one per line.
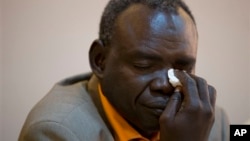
pixel 123 131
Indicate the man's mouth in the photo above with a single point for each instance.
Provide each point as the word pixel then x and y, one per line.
pixel 156 107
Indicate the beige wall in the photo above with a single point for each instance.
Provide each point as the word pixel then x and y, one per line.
pixel 249 50
pixel 1 68
pixel 47 40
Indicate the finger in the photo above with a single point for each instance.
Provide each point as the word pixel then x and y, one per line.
pixel 212 95
pixel 189 89
pixel 203 90
pixel 172 107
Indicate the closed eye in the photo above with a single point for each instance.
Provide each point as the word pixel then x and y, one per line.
pixel 142 66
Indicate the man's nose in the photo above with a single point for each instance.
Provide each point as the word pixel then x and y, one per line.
pixel 161 85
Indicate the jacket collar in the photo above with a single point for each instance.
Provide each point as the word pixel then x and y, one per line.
pixel 92 88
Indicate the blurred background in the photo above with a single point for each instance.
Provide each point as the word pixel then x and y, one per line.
pixel 44 41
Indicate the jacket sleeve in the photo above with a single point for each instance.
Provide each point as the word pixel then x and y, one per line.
pixel 225 126
pixel 47 131
pixel 220 129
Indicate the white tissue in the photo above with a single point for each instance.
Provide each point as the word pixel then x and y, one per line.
pixel 173 80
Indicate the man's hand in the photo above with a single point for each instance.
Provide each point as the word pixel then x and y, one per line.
pixel 189 114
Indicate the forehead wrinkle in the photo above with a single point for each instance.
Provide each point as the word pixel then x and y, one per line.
pixel 146 48
pixel 158 41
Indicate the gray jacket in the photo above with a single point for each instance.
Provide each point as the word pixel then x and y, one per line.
pixel 72 111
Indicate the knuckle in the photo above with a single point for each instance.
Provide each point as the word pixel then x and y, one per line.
pixel 201 80
pixel 190 81
pixel 212 90
pixel 205 112
pixel 209 112
pixel 212 94
pixel 195 107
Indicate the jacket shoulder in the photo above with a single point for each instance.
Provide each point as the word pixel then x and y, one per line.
pixel 67 109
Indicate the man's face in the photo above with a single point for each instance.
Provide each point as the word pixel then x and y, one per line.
pixel 145 44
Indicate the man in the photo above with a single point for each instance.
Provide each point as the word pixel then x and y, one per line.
pixel 128 96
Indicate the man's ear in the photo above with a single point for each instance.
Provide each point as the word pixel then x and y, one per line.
pixel 97 54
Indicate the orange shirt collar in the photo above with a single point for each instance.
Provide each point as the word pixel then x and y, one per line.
pixel 123 131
